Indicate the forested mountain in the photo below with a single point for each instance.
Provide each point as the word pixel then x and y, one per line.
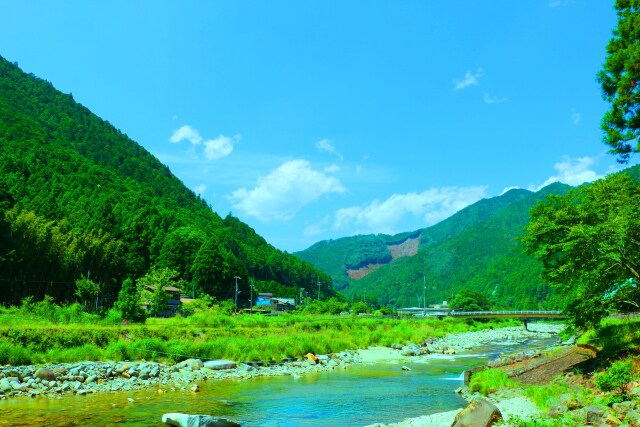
pixel 78 198
pixel 476 249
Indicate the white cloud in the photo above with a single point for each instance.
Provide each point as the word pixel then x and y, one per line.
pixel 332 168
pixel 213 148
pixel 432 205
pixel 200 189
pixel 220 147
pixel 326 146
pixel 490 99
pixel 188 133
pixel 575 117
pixel 284 191
pixel 470 79
pixel 573 172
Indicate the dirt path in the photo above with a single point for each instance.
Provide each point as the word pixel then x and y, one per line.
pixel 542 370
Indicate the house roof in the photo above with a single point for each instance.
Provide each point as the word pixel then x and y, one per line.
pixel 171 289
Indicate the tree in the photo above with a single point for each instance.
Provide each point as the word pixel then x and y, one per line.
pixel 469 300
pixel 157 280
pixel 87 290
pixel 589 244
pixel 620 81
pixel 128 302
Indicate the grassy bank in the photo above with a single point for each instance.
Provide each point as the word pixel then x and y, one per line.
pixel 49 335
pixel 609 380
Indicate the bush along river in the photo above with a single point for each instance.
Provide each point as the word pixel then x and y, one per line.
pixel 378 385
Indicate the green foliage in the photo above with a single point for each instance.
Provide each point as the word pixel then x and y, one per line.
pixel 476 249
pixel 616 377
pixel 11 354
pixel 489 381
pixel 78 195
pixel 587 243
pixel 543 396
pixel 199 305
pixel 468 300
pixel 330 306
pixel 87 290
pixel 210 334
pixel 618 78
pixel 128 303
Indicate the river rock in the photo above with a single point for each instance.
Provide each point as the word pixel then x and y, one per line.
pixel 479 413
pixel 5 385
pixel 593 414
pixel 217 365
pixel 410 350
pixel 193 364
pixel 556 411
pixel 187 420
pixel 45 374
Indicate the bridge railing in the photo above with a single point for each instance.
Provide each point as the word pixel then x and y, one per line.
pixel 507 313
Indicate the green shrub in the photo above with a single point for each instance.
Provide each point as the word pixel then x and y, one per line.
pixel 14 355
pixel 545 396
pixel 616 377
pixel 489 381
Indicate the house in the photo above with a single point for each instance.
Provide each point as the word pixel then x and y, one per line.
pixel 174 301
pixel 283 304
pixel 267 300
pixel 264 299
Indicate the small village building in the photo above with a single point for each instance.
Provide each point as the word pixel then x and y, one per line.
pixel 267 300
pixel 174 301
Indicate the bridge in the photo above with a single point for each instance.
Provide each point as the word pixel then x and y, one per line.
pixel 525 315
pixel 528 314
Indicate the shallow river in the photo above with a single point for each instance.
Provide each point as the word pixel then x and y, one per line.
pixel 356 396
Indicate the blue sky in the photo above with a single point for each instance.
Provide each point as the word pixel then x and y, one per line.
pixel 312 120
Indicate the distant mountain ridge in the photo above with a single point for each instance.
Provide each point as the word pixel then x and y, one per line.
pixel 475 248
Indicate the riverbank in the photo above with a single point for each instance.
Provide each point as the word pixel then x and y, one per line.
pixel 56 380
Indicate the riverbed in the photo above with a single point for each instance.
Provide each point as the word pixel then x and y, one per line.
pixel 357 395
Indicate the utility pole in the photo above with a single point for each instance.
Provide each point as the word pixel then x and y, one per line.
pixel 235 299
pixel 301 301
pixel 318 290
pixel 251 298
pixel 424 295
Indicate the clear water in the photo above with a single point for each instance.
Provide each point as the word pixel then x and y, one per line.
pixel 356 396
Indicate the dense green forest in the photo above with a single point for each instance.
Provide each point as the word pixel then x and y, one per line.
pixel 476 249
pixel 79 198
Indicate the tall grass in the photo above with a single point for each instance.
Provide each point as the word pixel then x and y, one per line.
pixel 489 381
pixel 546 395
pixel 45 332
pixel 614 336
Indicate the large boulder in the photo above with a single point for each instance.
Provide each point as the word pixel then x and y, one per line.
pixel 45 374
pixel 188 420
pixel 410 350
pixel 479 413
pixel 220 364
pixel 192 364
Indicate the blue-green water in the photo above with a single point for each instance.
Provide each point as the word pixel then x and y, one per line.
pixel 356 396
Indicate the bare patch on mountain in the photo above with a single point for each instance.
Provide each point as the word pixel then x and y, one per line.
pixel 407 248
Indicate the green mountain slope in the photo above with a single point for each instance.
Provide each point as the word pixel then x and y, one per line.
pixel 476 248
pixel 78 197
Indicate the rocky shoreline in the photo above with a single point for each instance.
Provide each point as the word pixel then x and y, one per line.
pixel 54 381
